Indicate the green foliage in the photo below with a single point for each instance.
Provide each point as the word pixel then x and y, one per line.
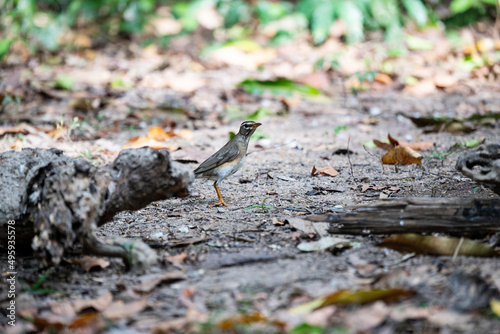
pixel 279 86
pixel 64 82
pixel 359 15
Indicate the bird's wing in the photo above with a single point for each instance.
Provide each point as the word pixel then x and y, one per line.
pixel 220 157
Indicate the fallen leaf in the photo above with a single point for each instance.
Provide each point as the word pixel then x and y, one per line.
pixel 382 145
pixel 22 128
pixel 278 222
pixel 119 310
pixel 327 242
pixel 365 187
pixel 157 145
pixel 495 306
pixel 444 81
pixel 89 322
pixel 426 244
pixel 349 297
pixel 422 88
pixel 383 78
pixel 149 282
pixel 234 322
pixel 402 156
pixel 179 258
pixel 324 171
pixel 367 317
pixel 89 263
pixel 99 304
pixel 157 133
pixel 309 227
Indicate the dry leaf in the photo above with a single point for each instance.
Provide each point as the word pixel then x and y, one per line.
pixel 383 78
pixel 118 309
pixel 149 282
pixel 23 128
pixel 444 81
pixel 422 88
pixel 89 262
pixel 365 187
pixel 99 304
pixel 278 222
pixel 384 146
pixel 367 317
pixel 426 244
pixel 179 258
pixel 418 146
pixel 89 322
pixel 349 297
pixel 151 143
pixel 402 156
pixel 324 171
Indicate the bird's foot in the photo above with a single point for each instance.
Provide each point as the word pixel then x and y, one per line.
pixel 220 202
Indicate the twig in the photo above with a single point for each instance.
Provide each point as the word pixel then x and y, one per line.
pixel 457 249
pixel 349 158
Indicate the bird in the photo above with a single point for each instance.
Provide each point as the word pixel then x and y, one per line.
pixel 228 160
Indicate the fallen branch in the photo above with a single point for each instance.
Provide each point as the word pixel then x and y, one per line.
pixel 453 216
pixel 57 201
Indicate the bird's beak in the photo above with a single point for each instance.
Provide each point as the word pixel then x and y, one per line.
pixel 256 125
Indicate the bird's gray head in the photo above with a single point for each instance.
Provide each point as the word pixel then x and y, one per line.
pixel 247 128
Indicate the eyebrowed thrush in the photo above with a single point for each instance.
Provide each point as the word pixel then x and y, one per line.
pixel 228 160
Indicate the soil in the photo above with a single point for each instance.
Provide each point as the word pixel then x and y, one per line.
pixel 243 259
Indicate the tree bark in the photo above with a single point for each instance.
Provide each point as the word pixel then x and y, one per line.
pixel 57 201
pixel 453 216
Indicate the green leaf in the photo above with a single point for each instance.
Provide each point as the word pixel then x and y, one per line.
pixel 418 44
pixel 416 10
pixel 385 12
pixel 4 46
pixel 119 83
pixel 305 328
pixel 460 6
pixel 279 86
pixel 64 81
pixel 268 11
pixel 261 112
pixel 321 20
pixel 353 18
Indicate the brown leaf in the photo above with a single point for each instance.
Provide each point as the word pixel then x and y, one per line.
pixel 367 317
pixel 99 304
pixel 89 263
pixel 444 81
pixel 349 297
pixel 149 282
pixel 313 171
pixel 422 88
pixel 90 322
pixel 382 145
pixel 365 187
pixel 23 128
pixel 402 156
pixel 383 78
pixel 278 222
pixel 118 309
pixel 418 146
pixel 426 244
pixel 179 258
pixel 327 171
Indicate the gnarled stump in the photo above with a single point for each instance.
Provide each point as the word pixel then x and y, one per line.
pixel 56 201
pixel 488 159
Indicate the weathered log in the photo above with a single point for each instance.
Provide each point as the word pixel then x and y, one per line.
pixel 453 216
pixel 57 201
pixel 487 158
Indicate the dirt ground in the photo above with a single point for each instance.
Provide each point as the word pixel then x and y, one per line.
pixel 239 269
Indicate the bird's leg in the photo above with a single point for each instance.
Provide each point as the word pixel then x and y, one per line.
pixel 219 195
